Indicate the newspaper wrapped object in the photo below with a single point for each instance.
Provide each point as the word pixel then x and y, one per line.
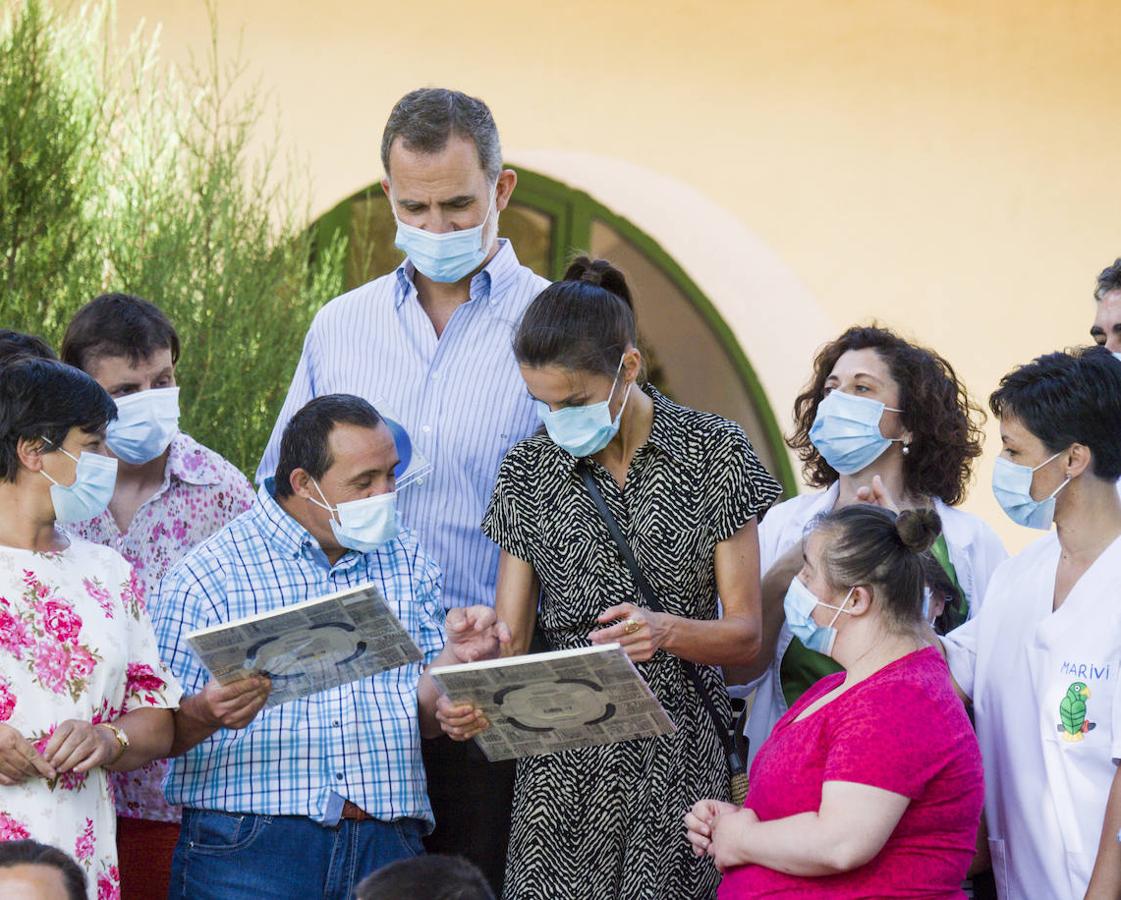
pixel 545 703
pixel 309 647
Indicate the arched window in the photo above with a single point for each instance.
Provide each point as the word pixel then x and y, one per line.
pixel 691 352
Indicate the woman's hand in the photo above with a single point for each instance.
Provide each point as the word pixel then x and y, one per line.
pixel 80 746
pixel 641 632
pixel 698 823
pixel 729 835
pixel 460 722
pixel 877 495
pixel 475 633
pixel 19 760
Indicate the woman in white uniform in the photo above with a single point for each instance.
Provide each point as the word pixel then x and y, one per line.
pixel 1042 661
pixel 880 413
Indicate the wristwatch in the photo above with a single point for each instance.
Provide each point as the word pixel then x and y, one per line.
pixel 121 736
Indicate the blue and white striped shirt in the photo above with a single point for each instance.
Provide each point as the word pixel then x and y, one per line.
pixel 357 742
pixel 460 397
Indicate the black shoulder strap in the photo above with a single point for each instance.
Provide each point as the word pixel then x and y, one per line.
pixel 652 601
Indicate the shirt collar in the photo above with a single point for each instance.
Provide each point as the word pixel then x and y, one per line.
pixel 286 535
pixel 490 284
pixel 190 462
pixel 666 431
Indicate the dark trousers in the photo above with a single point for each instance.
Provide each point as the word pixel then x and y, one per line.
pixel 471 799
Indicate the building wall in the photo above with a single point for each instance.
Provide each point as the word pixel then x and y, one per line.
pixel 948 168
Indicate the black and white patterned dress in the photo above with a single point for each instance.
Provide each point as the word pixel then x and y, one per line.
pixel 607 822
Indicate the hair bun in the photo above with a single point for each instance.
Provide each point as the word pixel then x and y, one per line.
pixel 918 529
pixel 600 273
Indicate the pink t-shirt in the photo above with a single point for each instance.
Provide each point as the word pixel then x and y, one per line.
pixel 903 730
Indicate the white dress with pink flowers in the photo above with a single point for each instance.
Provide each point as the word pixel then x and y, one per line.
pixel 75 643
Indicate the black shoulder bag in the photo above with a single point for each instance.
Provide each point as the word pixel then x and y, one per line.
pixel 736 756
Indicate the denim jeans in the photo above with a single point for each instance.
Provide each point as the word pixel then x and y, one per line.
pixel 234 856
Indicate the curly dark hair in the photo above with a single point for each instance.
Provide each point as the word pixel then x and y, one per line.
pixel 944 423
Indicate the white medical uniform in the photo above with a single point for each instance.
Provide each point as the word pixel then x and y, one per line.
pixel 1045 793
pixel 975 551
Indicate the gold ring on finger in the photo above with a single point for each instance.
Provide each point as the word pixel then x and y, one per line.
pixel 632 626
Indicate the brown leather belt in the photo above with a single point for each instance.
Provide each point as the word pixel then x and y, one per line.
pixel 356 813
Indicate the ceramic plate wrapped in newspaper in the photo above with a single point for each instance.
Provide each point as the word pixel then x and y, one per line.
pixel 311 646
pixel 544 703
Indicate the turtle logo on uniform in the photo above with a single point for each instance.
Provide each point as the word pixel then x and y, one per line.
pixel 1072 713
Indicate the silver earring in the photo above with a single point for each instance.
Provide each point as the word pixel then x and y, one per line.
pixel 906 449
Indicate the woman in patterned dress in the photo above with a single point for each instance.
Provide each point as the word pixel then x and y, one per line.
pixel 82 688
pixel 685 487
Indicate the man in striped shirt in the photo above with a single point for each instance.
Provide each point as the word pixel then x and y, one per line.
pixel 430 344
pixel 318 792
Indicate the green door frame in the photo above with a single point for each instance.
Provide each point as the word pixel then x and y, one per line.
pixel 572 212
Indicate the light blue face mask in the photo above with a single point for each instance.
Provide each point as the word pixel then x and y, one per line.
pixel 846 431
pixel 362 525
pixel 584 430
pixel 95 477
pixel 799 605
pixel 145 424
pixel 1012 489
pixel 447 257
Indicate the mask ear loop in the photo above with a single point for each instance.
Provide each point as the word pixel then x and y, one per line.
pixel 627 395
pixel 1054 493
pixel 64 451
pixel 333 510
pixel 840 609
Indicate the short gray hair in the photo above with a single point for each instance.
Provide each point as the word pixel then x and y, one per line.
pixel 426 118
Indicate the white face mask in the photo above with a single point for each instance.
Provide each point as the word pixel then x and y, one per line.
pixel 95 478
pixel 453 255
pixel 362 525
pixel 146 423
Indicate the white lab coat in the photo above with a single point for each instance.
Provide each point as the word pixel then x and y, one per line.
pixel 975 551
pixel 1045 795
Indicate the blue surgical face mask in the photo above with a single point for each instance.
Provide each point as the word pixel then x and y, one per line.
pixel 584 430
pixel 799 605
pixel 145 424
pixel 846 431
pixel 362 525
pixel 1012 489
pixel 95 477
pixel 447 257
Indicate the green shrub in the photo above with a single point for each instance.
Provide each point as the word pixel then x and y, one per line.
pixel 115 176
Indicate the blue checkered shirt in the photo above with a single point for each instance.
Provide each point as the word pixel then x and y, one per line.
pixel 460 396
pixel 358 742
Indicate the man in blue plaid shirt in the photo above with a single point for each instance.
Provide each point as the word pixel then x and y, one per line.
pixel 316 793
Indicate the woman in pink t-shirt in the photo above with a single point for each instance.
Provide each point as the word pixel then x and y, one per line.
pixel 871 784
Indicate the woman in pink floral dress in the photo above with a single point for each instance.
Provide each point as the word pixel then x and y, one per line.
pixel 82 689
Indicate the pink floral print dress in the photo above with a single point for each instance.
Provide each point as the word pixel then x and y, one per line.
pixel 75 643
pixel 201 493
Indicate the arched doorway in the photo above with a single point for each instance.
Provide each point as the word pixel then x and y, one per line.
pixel 693 355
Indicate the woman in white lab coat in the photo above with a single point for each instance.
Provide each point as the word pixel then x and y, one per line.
pixel 1042 660
pixel 878 412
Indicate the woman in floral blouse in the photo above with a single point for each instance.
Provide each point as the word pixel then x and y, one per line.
pixel 82 689
pixel 172 494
